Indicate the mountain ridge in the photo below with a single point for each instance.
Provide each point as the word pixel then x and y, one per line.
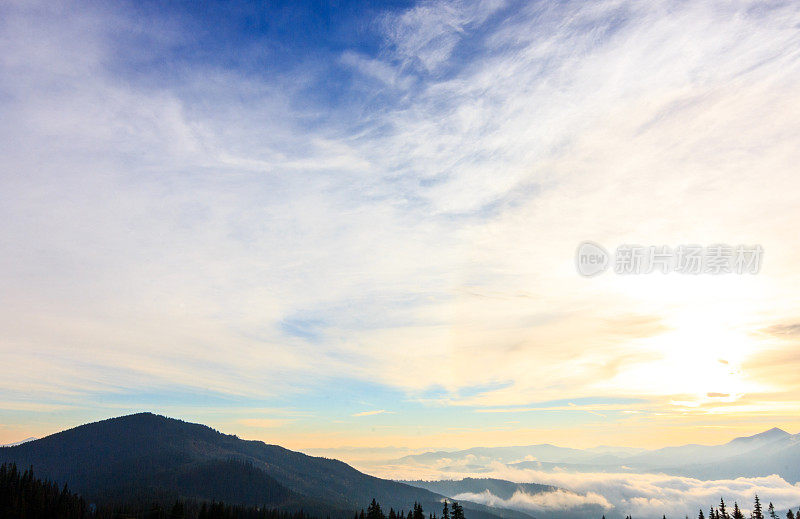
pixel 137 456
pixel 761 454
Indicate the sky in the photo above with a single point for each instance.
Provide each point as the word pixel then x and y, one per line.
pixel 353 225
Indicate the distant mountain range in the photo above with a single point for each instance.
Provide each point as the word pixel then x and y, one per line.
pixel 771 452
pixel 147 457
pixel 26 440
pixel 497 487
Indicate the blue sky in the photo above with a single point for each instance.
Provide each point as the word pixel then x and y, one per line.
pixel 344 224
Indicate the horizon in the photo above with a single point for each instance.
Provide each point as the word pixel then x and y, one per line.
pixel 352 448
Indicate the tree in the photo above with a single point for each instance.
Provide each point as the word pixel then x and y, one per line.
pixel 723 514
pixel 445 511
pixel 737 514
pixel 374 510
pixel 790 514
pixel 456 511
pixel 700 515
pixel 757 512
pixel 771 511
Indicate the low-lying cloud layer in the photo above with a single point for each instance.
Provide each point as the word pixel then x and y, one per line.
pixel 649 495
pixel 544 501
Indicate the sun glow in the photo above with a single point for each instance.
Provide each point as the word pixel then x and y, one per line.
pixel 709 336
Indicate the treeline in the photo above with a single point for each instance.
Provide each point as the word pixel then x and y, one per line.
pixel 193 510
pixel 24 496
pixel 449 511
pixel 723 511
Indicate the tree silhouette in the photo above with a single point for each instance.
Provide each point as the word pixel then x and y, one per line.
pixel 757 512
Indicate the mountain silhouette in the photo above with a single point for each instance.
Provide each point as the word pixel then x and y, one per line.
pixel 145 457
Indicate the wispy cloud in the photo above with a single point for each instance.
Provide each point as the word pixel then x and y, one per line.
pixel 212 228
pixel 372 413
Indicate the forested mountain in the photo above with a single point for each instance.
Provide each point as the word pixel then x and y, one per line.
pixel 145 456
pixel 23 495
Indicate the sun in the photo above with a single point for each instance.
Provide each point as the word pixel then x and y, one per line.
pixel 707 338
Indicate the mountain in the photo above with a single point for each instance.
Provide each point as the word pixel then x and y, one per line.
pixel 146 457
pixel 774 451
pixel 497 487
pixel 542 452
pixel 26 440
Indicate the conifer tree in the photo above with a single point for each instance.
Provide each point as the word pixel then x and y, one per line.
pixel 456 511
pixel 771 511
pixel 445 511
pixel 790 514
pixel 700 515
pixel 737 514
pixel 757 512
pixel 374 510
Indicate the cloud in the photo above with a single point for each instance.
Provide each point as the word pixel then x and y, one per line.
pixel 654 494
pixel 428 33
pixel 784 329
pixel 547 501
pixel 372 413
pixel 648 495
pixel 170 229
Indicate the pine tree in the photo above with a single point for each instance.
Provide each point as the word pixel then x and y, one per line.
pixel 723 514
pixel 374 510
pixel 700 515
pixel 737 514
pixel 790 514
pixel 456 511
pixel 757 512
pixel 445 511
pixel 771 511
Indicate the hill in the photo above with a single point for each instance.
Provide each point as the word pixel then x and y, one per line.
pixel 146 456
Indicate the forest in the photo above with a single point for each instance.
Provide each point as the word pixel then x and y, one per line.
pixel 25 496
